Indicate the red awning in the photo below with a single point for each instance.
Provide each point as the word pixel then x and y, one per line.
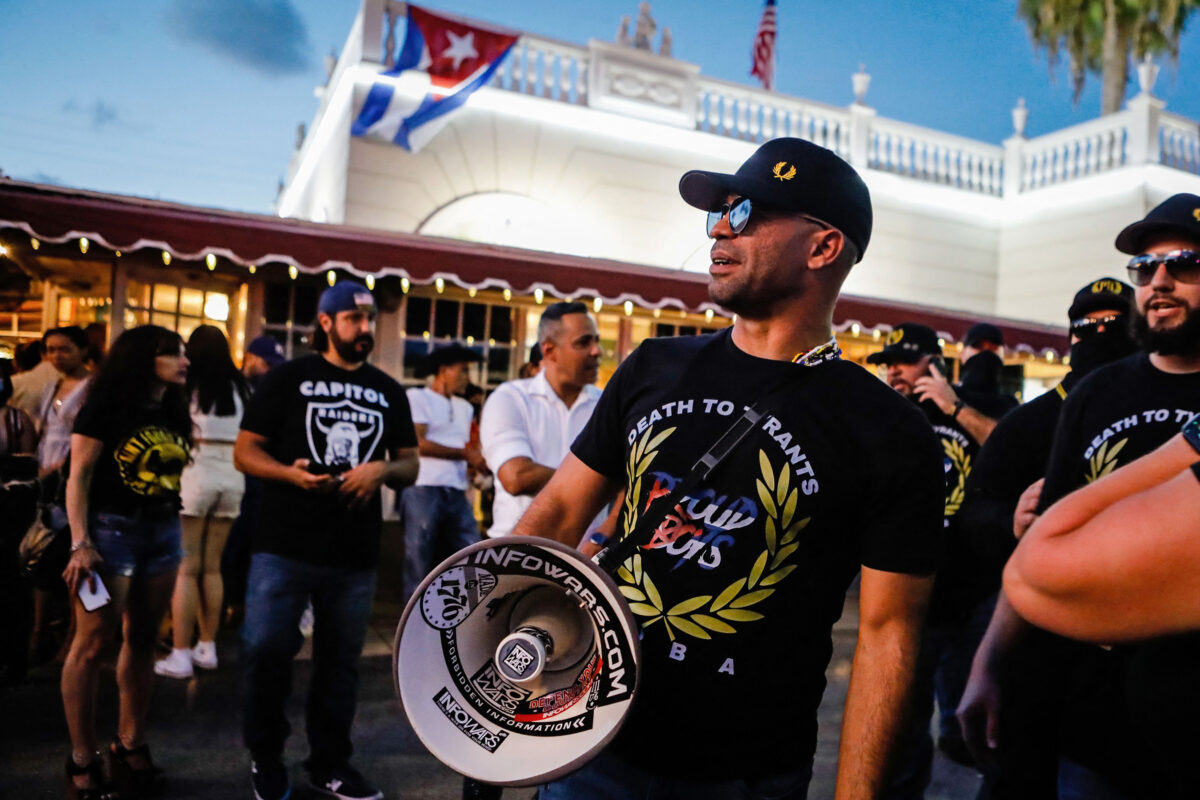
pixel 54 214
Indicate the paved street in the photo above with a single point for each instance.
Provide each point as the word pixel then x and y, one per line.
pixel 194 730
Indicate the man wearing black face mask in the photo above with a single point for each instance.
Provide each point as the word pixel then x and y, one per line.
pixel 1013 459
pixel 323 433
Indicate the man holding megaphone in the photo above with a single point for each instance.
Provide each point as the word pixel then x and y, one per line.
pixel 821 472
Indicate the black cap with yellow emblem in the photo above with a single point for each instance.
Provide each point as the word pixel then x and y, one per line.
pixel 791 175
pixel 907 342
pixel 1178 215
pixel 1105 294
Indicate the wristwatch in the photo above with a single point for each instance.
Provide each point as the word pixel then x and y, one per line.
pixel 1191 432
pixel 82 544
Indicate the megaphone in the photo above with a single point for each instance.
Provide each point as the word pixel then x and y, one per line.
pixel 516 660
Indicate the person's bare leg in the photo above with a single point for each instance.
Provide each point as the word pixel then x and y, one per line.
pixel 210 581
pixel 185 601
pixel 95 631
pixel 148 602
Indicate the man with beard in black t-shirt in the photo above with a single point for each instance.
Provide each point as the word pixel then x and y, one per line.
pixel 1013 460
pixel 1116 414
pixel 324 433
pixel 738 587
pixel 961 603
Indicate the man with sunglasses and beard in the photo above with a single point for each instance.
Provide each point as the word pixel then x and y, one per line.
pixel 737 584
pixel 323 433
pixel 1011 464
pixel 1121 737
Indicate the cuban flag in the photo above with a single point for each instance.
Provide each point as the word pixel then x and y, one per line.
pixel 443 60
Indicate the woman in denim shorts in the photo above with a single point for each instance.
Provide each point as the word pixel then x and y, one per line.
pixel 131 440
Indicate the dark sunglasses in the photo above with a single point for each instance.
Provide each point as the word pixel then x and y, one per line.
pixel 738 211
pixel 1182 265
pixel 1086 326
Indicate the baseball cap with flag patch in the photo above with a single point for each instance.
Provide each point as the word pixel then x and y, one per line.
pixel 907 342
pixel 791 175
pixel 346 296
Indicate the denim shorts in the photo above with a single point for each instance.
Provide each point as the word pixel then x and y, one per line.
pixel 134 547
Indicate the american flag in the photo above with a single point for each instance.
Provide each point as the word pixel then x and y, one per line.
pixel 762 55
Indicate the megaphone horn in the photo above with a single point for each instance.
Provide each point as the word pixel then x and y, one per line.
pixel 516 660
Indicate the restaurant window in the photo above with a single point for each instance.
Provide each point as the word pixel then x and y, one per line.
pixel 432 323
pixel 179 308
pixel 289 314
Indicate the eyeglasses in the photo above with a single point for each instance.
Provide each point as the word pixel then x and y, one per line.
pixel 1182 265
pixel 738 211
pixel 1086 326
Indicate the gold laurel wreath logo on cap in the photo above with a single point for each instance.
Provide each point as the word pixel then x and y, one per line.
pixel 791 172
pixel 1112 287
pixel 895 336
pixel 1196 214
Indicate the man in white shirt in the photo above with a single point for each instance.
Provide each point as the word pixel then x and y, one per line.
pixel 528 425
pixel 438 518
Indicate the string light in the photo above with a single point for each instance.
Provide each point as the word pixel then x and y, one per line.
pixel 657 313
pixel 538 296
pixel 331 277
pixel 708 315
pixel 35 244
pixel 508 294
pixel 876 334
pixel 3 250
pixel 371 282
pixel 470 340
pixel 83 244
pixel 855 328
pixel 471 292
pixel 440 285
pixel 629 308
pixel 211 261
pixel 293 272
pixel 253 269
pixel 597 304
pixel 404 284
pixel 118 254
pixel 166 257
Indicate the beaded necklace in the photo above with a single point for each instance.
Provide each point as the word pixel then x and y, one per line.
pixel 828 351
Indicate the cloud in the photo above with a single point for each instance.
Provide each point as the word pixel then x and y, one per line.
pixel 99 113
pixel 266 35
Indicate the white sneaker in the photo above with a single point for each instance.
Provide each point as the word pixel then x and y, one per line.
pixel 176 665
pixel 306 622
pixel 204 655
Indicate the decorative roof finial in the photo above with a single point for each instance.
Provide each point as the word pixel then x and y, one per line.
pixel 861 81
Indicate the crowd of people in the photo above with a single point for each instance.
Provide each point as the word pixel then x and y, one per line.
pixel 1028 574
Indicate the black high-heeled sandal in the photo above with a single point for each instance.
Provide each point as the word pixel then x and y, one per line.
pixel 131 781
pixel 99 790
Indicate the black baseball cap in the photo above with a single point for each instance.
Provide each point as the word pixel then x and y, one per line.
pixel 1178 215
pixel 907 342
pixel 983 332
pixel 791 175
pixel 446 356
pixel 1105 294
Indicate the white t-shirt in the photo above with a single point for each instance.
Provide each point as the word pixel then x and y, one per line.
pixel 448 423
pixel 526 418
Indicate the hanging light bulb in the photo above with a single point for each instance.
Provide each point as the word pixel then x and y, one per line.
pixel 118 254
pixel 35 244
pixel 855 328
pixel 166 257
pixel 657 313
pixel 83 244
pixel 538 296
pixel 371 282
pixel 331 277
pixel 440 285
pixel 211 261
pixel 472 292
pixel 404 284
pixel 597 304
pixel 508 294
pixel 629 308
pixel 293 272
pixel 708 315
pixel 253 269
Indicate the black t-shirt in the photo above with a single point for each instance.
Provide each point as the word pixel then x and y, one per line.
pixel 960 584
pixel 737 592
pixel 1115 415
pixel 1014 456
pixel 141 462
pixel 308 408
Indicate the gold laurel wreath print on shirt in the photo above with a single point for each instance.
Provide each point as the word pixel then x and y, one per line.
pixel 962 465
pixel 1104 461
pixel 702 615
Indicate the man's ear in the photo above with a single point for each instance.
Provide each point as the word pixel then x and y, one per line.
pixel 325 321
pixel 825 248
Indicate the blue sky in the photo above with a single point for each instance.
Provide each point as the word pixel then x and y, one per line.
pixel 198 100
